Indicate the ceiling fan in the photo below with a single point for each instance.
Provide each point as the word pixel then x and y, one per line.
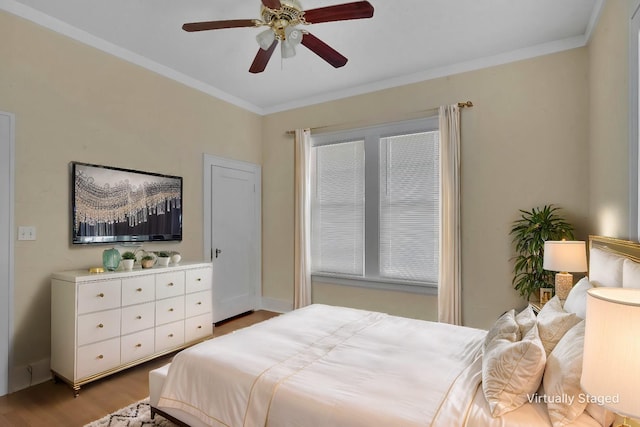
pixel 282 18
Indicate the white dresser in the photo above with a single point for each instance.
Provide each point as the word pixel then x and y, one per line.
pixel 103 323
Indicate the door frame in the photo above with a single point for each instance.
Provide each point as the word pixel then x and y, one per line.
pixel 7 190
pixel 208 162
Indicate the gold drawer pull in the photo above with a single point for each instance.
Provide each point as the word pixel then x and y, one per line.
pixel 138 317
pixel 198 280
pixel 170 335
pixel 171 309
pixel 100 295
pixel 198 303
pixel 170 284
pixel 100 325
pixel 138 345
pixel 199 327
pixel 100 356
pixel 139 290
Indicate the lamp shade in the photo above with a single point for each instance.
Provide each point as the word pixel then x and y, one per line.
pixel 265 39
pixel 565 255
pixel 611 361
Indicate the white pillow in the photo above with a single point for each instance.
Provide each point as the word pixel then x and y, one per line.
pixel 505 328
pixel 576 301
pixel 526 319
pixel 630 274
pixel 605 269
pixel 512 371
pixel 564 396
pixel 554 322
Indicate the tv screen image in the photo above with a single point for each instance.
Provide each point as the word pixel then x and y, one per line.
pixel 111 205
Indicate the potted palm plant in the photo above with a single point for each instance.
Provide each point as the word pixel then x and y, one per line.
pixel 529 234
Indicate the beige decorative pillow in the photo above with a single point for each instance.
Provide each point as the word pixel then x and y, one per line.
pixel 564 396
pixel 554 322
pixel 512 371
pixel 505 327
pixel 526 319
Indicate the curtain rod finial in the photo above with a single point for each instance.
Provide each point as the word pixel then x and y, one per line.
pixel 465 104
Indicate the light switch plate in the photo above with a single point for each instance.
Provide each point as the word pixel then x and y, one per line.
pixel 26 232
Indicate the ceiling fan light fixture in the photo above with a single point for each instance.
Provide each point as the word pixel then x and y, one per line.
pixel 265 39
pixel 293 35
pixel 288 49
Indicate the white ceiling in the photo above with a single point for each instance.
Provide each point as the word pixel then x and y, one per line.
pixel 405 41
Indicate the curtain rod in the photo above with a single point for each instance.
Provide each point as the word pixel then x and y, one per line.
pixel 466 104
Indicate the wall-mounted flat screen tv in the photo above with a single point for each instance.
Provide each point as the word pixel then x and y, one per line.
pixel 114 205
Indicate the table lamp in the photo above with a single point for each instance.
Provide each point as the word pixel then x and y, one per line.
pixel 564 256
pixel 611 360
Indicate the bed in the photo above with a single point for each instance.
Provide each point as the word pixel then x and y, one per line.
pixel 335 366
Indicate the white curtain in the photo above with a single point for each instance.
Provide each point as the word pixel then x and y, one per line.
pixel 302 220
pixel 449 280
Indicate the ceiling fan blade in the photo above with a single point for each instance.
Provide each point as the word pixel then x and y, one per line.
pixel 323 50
pixel 272 4
pixel 341 12
pixel 217 25
pixel 262 58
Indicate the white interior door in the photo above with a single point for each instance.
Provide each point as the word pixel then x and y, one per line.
pixel 6 244
pixel 234 237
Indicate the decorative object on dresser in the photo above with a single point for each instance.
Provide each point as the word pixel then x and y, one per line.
pixel 111 259
pixel 101 324
pixel 564 256
pixel 128 259
pixel 163 258
pixel 611 363
pixel 529 234
pixel 175 258
pixel 147 261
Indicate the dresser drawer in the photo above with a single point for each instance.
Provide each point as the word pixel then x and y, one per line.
pixel 198 279
pixel 138 317
pixel 169 336
pixel 169 284
pixel 98 326
pixel 138 289
pixel 169 310
pixel 198 303
pixel 136 346
pixel 98 357
pixel 199 327
pixel 96 296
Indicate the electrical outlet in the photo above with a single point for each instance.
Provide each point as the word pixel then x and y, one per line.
pixel 26 232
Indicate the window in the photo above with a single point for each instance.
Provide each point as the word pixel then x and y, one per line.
pixel 375 205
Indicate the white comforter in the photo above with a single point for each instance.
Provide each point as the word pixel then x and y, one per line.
pixel 330 366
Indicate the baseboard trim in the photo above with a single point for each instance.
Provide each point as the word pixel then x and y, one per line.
pixel 276 305
pixel 25 376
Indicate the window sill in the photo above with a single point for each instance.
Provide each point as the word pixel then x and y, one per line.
pixel 382 284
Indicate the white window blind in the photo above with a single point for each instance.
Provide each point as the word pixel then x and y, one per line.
pixel 338 209
pixel 375 206
pixel 409 207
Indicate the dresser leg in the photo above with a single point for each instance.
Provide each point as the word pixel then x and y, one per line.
pixel 76 391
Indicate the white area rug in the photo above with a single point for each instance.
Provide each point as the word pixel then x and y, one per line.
pixel 135 415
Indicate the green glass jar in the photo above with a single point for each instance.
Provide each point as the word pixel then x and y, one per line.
pixel 111 259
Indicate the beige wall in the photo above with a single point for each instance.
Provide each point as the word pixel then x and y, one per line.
pixel 73 102
pixel 523 145
pixel 609 123
pixel 547 130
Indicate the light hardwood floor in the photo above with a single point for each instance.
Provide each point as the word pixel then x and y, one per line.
pixel 53 404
